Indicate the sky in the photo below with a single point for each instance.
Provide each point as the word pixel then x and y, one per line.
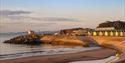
pixel 51 15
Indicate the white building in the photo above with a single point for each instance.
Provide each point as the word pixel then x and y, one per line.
pixel 30 32
pixel 104 29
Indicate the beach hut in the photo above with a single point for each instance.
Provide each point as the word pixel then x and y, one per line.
pixel 116 33
pixel 106 33
pixel 89 33
pixel 100 33
pixel 121 33
pixel 111 33
pixel 94 33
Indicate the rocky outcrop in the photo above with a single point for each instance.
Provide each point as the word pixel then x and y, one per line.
pixel 68 40
pixel 25 39
pixel 52 39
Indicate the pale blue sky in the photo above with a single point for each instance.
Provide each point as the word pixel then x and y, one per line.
pixel 87 13
pixel 62 3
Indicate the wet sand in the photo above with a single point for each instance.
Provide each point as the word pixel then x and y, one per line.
pixel 65 58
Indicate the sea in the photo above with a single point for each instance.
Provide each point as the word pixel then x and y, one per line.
pixel 12 51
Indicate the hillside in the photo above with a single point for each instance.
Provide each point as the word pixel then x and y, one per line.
pixel 118 25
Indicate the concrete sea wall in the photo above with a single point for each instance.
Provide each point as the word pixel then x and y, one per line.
pixel 117 43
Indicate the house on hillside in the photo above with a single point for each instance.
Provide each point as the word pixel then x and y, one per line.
pixel 115 28
pixel 30 32
pixel 73 32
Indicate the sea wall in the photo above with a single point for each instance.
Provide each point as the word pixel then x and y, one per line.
pixel 117 43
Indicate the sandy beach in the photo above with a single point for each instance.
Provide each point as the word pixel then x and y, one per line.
pixel 65 58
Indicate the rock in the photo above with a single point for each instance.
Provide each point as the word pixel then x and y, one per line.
pixel 25 39
pixel 67 40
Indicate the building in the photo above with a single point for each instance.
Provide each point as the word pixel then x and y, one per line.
pixel 74 32
pixel 115 28
pixel 30 32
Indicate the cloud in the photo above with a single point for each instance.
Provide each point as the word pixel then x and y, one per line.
pixel 45 19
pixel 10 13
pixel 18 15
pixel 58 19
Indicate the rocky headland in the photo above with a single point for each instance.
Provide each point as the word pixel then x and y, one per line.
pixel 25 39
pixel 52 39
pixel 68 40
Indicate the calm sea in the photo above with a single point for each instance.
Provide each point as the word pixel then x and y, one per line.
pixel 9 51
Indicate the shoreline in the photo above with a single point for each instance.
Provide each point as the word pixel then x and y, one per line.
pixel 48 51
pixel 67 57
